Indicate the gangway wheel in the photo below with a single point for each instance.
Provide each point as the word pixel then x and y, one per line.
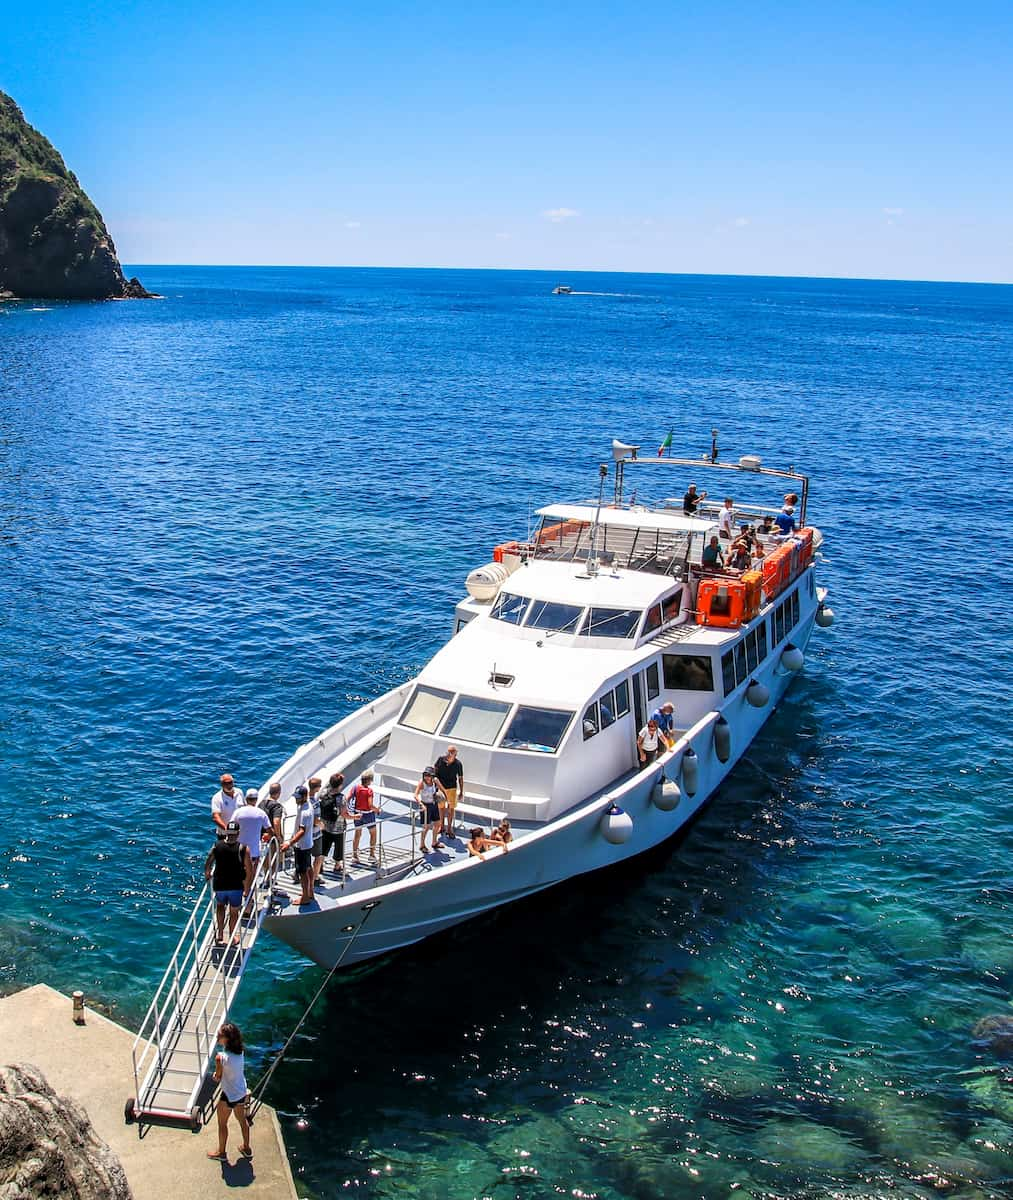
pixel 130 1111
pixel 196 1119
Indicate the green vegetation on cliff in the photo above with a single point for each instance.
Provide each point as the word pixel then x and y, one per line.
pixel 53 241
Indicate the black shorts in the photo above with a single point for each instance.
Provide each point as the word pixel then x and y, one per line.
pixel 317 843
pixel 235 1103
pixel 303 861
pixel 432 811
pixel 337 840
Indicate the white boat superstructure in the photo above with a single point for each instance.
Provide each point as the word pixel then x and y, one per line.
pixel 565 645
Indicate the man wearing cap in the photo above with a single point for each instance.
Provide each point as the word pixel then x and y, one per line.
pixel 254 824
pixel 785 520
pixel 224 802
pixel 664 718
pixel 226 868
pixel 648 743
pixel 691 500
pixel 318 827
pixel 302 840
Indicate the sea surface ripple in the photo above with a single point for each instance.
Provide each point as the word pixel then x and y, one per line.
pixel 228 517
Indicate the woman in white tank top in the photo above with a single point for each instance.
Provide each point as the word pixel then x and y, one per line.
pixel 230 1075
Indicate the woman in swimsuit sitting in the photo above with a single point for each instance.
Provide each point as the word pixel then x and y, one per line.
pixel 479 843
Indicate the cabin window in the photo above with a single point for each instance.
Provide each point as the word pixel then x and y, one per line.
pixel 611 622
pixel 688 672
pixel 510 608
pixel 761 640
pixel 425 709
pixel 590 722
pixel 752 657
pixel 539 730
pixel 794 608
pixel 740 661
pixel 653 686
pixel 607 710
pixel 475 719
pixel 671 605
pixel 728 671
pixel 622 695
pixel 653 619
pixel 546 614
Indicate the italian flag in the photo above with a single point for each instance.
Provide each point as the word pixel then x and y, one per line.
pixel 665 445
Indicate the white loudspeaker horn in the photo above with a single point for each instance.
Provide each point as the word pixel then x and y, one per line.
pixel 621 450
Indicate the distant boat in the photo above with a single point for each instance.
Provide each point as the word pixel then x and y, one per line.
pixel 562 290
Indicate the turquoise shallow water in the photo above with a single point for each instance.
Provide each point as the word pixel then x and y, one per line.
pixel 229 516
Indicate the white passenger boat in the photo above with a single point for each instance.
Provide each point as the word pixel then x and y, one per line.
pixel 564 646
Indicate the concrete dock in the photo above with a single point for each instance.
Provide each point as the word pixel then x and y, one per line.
pixel 91 1064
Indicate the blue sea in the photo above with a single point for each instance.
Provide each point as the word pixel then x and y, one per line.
pixel 229 516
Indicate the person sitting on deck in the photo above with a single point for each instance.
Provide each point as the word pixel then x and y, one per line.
pixel 785 521
pixel 502 835
pixel 766 527
pixel 664 718
pixel 713 556
pixel 364 810
pixel 225 868
pixel 691 500
pixel 479 843
pixel 431 798
pixel 739 558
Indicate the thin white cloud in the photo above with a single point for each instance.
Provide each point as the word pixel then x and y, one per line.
pixel 556 215
pixel 502 237
pixel 741 222
pixel 894 212
pixel 353 224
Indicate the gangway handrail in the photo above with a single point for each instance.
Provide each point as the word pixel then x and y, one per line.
pixel 180 978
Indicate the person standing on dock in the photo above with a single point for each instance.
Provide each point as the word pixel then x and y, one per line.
pixel 230 1075
pixel 450 773
pixel 224 802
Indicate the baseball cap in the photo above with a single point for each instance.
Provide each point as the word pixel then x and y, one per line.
pixel 232 829
pixel 252 794
pixel 300 792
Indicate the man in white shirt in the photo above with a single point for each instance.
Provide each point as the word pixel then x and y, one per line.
pixel 726 521
pixel 224 803
pixel 253 823
pixel 302 840
pixel 648 742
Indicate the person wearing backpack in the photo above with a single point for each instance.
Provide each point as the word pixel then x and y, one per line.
pixel 332 816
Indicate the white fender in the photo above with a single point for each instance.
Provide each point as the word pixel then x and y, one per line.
pixel 722 739
pixel 666 795
pixel 757 694
pixel 616 825
pixel 792 659
pixel 824 616
pixel 690 771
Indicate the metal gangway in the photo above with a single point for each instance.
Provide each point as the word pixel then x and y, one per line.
pixel 175 1046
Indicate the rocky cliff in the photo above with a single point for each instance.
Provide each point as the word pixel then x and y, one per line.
pixel 53 242
pixel 48 1146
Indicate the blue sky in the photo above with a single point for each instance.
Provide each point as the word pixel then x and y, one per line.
pixel 839 139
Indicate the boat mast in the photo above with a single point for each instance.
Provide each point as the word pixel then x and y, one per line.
pixel 592 551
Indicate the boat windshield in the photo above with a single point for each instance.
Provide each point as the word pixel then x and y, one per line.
pixel 425 709
pixel 510 608
pixel 611 622
pixel 537 729
pixel 550 615
pixel 475 719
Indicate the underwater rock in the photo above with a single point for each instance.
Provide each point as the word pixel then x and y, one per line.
pixel 995 1033
pixel 801 1146
pixel 988 952
pixel 48 1146
pixel 992 1093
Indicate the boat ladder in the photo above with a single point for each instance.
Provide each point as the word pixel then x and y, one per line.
pixel 176 1044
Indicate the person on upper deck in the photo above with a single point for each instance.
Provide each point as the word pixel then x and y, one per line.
pixel 766 526
pixel 713 555
pixel 726 520
pixel 691 500
pixel 785 520
pixel 664 718
pixel 431 800
pixel 739 558
pixel 450 773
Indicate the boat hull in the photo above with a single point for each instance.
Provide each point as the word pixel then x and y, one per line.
pixel 403 913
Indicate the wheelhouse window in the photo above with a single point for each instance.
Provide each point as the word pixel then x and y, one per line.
pixel 475 719
pixel 611 622
pixel 671 605
pixel 688 672
pixel 425 709
pixel 539 730
pixel 607 710
pixel 622 697
pixel 653 620
pixel 590 721
pixel 510 608
pixel 547 614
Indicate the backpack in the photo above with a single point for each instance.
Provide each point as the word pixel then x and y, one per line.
pixel 329 806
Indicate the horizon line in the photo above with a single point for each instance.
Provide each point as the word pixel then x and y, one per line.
pixel 557 271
